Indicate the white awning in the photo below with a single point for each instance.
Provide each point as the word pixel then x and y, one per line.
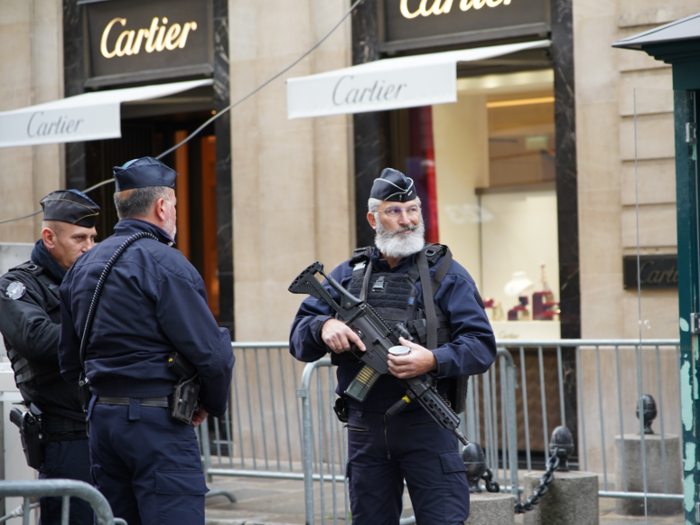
pixel 392 83
pixel 90 116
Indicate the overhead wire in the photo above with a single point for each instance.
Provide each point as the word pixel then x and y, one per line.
pixel 226 109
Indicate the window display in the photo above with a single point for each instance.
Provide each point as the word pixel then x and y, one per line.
pixel 485 169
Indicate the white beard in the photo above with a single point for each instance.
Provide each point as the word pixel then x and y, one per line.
pixel 396 246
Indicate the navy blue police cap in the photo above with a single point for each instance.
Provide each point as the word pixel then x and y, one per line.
pixel 143 172
pixel 70 206
pixel 392 185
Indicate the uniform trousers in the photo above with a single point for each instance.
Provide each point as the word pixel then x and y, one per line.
pixel 147 466
pixel 382 452
pixel 66 460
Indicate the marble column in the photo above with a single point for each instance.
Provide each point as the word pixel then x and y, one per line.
pixel 74 79
pixel 371 130
pixel 567 197
pixel 224 202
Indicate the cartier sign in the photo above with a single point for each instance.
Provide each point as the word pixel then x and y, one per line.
pixel 440 7
pixel 133 40
pixel 655 271
pixel 413 24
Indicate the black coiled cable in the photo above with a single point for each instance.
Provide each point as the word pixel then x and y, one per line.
pixel 83 381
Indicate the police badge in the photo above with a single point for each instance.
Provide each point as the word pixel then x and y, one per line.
pixel 15 290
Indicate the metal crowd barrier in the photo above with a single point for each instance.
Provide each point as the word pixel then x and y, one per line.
pixel 260 434
pixel 62 488
pixel 511 411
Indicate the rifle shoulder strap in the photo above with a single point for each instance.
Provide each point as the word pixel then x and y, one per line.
pixel 426 258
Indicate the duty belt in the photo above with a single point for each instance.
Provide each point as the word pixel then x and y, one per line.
pixel 62 429
pixel 161 402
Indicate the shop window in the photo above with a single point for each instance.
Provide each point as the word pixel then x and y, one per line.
pixel 485 172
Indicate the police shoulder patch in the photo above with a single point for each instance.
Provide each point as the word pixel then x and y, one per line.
pixel 15 290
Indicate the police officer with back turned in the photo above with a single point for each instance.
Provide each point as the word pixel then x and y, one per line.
pixel 153 305
pixel 29 322
pixel 452 339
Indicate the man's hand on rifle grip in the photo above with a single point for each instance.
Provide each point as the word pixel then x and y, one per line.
pixel 419 361
pixel 339 336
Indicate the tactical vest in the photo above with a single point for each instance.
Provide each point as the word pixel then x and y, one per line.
pixel 24 370
pixel 394 297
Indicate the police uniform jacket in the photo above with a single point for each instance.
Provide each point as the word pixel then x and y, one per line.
pixel 153 303
pixel 30 324
pixel 472 346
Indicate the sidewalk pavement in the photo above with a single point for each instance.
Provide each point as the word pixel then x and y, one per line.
pixel 263 501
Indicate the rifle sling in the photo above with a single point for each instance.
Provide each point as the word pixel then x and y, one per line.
pixel 428 304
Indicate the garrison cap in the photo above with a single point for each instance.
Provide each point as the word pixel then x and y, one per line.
pixel 70 206
pixel 143 172
pixel 392 185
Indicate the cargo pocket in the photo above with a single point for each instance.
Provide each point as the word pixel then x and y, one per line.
pixel 452 462
pixel 180 496
pixel 455 489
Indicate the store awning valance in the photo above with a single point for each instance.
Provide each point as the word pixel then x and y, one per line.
pixel 392 83
pixel 90 116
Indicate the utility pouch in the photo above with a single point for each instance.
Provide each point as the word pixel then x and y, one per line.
pixel 184 401
pixel 32 436
pixel 341 409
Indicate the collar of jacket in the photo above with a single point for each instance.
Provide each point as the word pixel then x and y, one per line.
pixel 42 257
pixel 380 265
pixel 131 226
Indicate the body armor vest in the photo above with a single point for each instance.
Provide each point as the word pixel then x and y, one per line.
pixel 393 296
pixel 23 369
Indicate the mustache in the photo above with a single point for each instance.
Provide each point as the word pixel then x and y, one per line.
pixel 402 229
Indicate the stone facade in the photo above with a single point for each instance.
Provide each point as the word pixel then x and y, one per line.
pixel 31 72
pixel 610 83
pixel 292 189
pixel 607 80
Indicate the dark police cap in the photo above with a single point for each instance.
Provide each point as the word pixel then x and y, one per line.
pixel 393 185
pixel 143 172
pixel 70 206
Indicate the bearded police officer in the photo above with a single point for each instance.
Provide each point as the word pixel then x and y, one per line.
pixel 153 305
pixel 451 340
pixel 29 322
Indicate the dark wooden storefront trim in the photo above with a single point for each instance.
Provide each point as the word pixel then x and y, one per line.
pixel 74 84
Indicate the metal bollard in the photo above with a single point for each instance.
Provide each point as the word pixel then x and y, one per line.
pixel 562 446
pixel 650 412
pixel 474 460
pixel 561 496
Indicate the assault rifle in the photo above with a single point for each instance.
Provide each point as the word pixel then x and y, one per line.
pixel 378 338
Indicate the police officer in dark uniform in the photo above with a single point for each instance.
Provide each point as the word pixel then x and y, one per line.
pixel 153 304
pixel 29 322
pixel 452 339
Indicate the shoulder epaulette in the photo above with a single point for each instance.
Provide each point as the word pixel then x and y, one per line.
pixel 29 266
pixel 434 252
pixel 360 255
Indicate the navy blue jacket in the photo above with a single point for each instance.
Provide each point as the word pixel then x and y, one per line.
pixel 153 303
pixel 471 351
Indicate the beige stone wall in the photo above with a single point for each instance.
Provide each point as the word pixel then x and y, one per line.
pixel 31 72
pixel 607 83
pixel 607 80
pixel 292 190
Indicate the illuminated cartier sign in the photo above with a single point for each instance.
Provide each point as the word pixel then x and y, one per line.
pixel 143 40
pixel 422 24
pixel 156 38
pixel 439 7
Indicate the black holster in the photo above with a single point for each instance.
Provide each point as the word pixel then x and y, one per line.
pixel 184 401
pixel 32 435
